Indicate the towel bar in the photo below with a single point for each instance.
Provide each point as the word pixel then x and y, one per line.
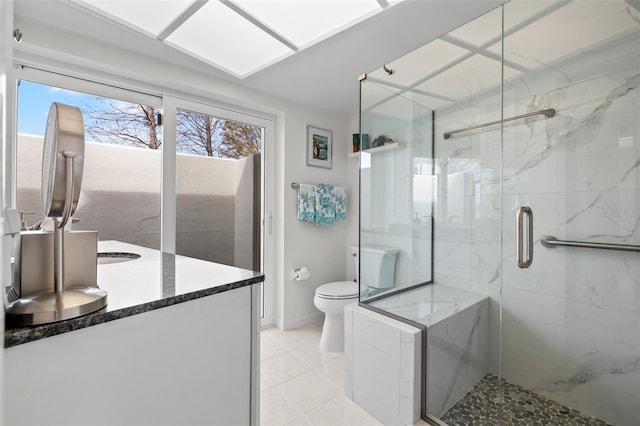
pixel 546 112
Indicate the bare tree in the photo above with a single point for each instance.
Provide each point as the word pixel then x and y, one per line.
pixel 198 134
pixel 124 124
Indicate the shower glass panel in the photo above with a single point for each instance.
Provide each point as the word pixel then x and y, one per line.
pixel 571 321
pixel 396 187
pixel 463 326
pixel 445 87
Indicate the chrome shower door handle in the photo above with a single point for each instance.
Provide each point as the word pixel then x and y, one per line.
pixel 520 236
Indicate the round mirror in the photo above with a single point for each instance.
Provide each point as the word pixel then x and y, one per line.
pixel 63 139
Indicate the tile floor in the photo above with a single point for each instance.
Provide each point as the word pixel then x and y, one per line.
pixel 300 385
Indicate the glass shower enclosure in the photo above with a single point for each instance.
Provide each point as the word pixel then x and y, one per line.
pixel 503 167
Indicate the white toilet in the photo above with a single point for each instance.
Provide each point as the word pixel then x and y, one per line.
pixel 378 271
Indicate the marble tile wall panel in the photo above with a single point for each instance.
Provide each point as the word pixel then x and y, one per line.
pixel 383 363
pixel 580 354
pixel 348 351
pixel 457 356
pixel 592 143
pixel 470 252
pixel 602 277
pixel 428 305
pixel 492 291
pixel 452 251
pixel 378 350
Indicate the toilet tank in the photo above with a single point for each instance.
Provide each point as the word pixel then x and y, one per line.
pixel 377 266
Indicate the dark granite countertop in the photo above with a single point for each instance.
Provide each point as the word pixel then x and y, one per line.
pixel 153 281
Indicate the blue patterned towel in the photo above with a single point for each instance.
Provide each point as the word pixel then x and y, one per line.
pixel 307 202
pixel 341 203
pixel 325 204
pixel 330 204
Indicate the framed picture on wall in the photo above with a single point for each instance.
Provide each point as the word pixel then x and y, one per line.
pixel 319 147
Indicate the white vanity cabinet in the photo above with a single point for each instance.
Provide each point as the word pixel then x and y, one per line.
pixel 192 362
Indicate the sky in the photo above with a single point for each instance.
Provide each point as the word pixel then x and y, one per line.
pixel 35 99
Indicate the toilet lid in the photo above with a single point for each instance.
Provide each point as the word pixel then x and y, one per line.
pixel 338 290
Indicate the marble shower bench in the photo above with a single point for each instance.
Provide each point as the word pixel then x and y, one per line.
pixel 445 337
pixel 176 344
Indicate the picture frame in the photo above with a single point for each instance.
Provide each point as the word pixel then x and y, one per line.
pixel 319 147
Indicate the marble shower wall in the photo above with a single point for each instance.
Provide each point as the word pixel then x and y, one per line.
pixel 571 322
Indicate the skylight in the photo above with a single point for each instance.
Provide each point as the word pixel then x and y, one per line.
pixel 225 39
pixel 304 22
pixel 150 16
pixel 240 37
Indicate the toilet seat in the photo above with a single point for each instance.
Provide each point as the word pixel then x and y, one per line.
pixel 338 290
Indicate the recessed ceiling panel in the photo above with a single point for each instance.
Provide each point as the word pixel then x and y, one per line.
pixel 431 102
pixel 417 64
pixel 221 37
pixel 373 93
pixel 567 31
pixel 151 16
pixel 522 11
pixel 306 21
pixel 471 77
pixel 481 30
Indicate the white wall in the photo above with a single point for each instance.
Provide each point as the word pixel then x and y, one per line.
pixel 323 250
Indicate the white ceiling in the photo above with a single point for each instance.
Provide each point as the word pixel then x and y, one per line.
pixel 281 55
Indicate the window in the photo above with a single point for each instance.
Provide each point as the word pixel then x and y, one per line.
pixel 194 186
pixel 121 182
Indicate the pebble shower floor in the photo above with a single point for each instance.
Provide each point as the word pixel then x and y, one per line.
pixel 521 407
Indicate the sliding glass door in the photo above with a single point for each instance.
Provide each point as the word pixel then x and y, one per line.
pixel 221 208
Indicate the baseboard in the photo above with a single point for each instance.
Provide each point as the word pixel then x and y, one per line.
pixel 299 322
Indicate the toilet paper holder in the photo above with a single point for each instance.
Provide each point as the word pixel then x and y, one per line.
pixel 300 274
